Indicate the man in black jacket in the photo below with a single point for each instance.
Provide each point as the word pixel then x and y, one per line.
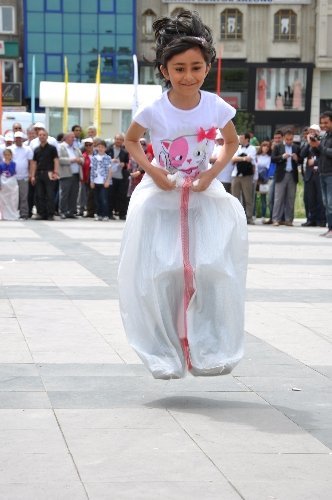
pixel 312 188
pixel 323 150
pixel 120 178
pixel 285 156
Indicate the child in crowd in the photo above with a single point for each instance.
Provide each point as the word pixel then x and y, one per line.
pixel 263 162
pixel 100 180
pixel 8 188
pixel 184 250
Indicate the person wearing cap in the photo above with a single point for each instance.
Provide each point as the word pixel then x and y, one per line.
pixel 322 148
pixel 44 170
pixel 315 210
pixel 8 141
pixel 22 156
pixel 36 142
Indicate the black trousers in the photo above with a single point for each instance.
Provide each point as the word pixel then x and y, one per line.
pixel 316 209
pixel 44 194
pixel 118 197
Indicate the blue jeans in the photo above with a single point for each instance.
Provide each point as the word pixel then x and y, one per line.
pixel 326 183
pixel 101 200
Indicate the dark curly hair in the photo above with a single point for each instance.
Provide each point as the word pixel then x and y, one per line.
pixel 175 35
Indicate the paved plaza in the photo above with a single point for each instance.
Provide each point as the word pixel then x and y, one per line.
pixel 81 418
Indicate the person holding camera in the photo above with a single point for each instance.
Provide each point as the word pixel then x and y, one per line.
pixel 322 148
pixel 243 174
pixel 286 157
pixel 312 187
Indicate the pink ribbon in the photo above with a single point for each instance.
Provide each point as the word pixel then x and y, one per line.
pixel 187 267
pixel 210 134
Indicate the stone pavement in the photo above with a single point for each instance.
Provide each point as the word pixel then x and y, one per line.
pixel 80 418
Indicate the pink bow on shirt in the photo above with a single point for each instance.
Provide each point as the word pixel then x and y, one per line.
pixel 210 134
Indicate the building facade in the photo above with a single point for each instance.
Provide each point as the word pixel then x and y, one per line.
pixel 79 30
pixel 322 79
pixel 11 52
pixel 268 53
pixel 276 56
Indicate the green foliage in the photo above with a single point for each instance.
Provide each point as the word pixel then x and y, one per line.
pixel 244 121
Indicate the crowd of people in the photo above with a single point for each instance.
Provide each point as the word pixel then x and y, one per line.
pixel 70 176
pixel 268 173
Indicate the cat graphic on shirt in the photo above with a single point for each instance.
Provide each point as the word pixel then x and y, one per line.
pixel 186 154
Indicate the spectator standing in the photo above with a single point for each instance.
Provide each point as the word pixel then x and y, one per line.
pixel 76 129
pixel 277 139
pixel 8 187
pixel 86 202
pixel 323 150
pixel 101 178
pixel 285 156
pixel 45 170
pixel 225 176
pixel 36 142
pixel 120 178
pixel 263 162
pixel 22 156
pixel 313 200
pixel 243 173
pixel 70 173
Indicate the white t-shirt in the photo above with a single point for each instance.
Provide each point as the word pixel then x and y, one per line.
pixel 183 140
pixel 21 156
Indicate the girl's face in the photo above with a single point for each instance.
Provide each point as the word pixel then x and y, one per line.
pixel 186 71
pixel 7 156
pixel 265 148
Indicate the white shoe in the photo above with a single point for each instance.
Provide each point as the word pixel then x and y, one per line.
pixel 106 219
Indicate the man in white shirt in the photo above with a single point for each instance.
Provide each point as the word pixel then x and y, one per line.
pixel 70 172
pixel 22 156
pixel 243 173
pixel 36 142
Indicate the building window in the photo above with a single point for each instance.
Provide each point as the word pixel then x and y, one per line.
pixel 106 6
pixel 285 26
pixel 148 19
pixel 53 5
pixel 54 63
pixel 7 20
pixel 8 71
pixel 231 23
